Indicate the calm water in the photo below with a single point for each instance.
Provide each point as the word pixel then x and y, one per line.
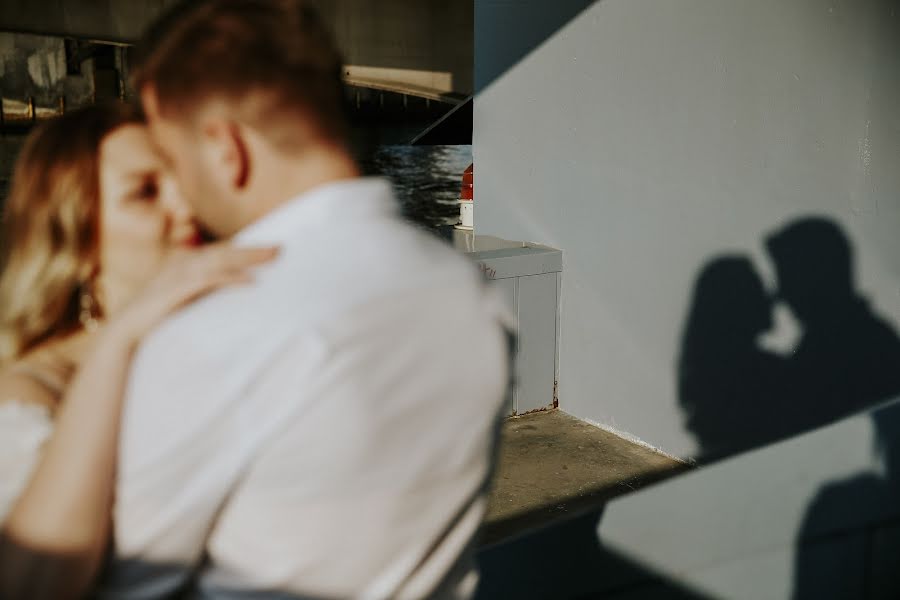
pixel 427 179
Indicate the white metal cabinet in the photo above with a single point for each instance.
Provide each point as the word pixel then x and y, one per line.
pixel 529 276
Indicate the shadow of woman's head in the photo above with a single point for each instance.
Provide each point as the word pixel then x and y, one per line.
pixel 730 308
pixel 725 381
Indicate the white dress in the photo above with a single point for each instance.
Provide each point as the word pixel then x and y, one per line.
pixel 24 428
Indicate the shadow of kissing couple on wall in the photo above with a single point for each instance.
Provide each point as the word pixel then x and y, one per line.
pixel 736 395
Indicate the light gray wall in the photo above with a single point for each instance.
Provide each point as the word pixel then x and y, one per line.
pixel 645 138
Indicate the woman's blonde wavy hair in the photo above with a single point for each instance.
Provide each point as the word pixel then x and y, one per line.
pixel 50 229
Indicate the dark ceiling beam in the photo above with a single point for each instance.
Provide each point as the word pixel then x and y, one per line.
pixel 117 21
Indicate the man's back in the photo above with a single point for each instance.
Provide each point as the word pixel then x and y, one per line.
pixel 327 431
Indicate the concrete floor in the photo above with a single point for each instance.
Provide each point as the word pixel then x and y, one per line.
pixel 553 465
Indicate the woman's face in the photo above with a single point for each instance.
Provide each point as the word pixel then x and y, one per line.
pixel 142 215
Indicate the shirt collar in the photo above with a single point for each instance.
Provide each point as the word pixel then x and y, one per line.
pixel 339 201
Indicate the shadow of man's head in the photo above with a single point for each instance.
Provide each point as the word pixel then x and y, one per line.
pixel 813 261
pixel 848 357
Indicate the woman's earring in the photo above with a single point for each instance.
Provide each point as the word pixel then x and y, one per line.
pixel 87 314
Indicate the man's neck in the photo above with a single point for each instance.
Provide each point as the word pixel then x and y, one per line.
pixel 287 177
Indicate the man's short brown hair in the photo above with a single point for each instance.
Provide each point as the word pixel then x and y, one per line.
pixel 228 49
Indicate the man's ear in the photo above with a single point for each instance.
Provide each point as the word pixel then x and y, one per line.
pixel 226 151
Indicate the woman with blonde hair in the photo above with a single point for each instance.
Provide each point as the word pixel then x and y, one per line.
pixel 97 248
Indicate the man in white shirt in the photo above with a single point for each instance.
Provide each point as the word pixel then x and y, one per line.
pixel 328 431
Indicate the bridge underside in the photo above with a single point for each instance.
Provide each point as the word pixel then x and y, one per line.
pixel 413 48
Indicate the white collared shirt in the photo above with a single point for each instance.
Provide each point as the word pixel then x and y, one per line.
pixel 328 431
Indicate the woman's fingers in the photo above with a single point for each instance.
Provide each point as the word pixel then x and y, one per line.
pixel 190 275
pixel 222 266
pixel 247 257
pixel 224 254
pixel 211 282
